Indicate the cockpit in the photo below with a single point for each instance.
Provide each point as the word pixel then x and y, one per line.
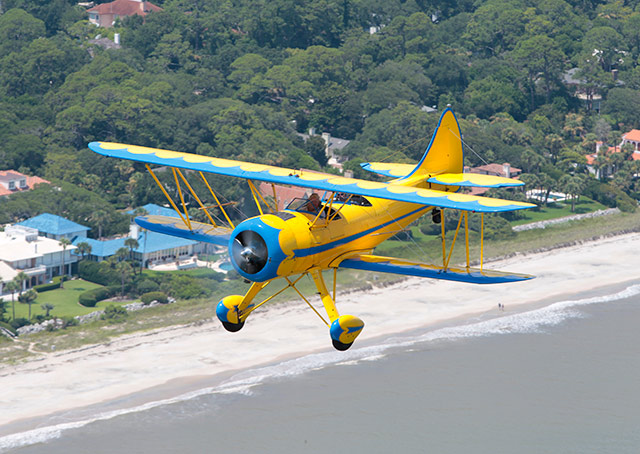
pixel 314 204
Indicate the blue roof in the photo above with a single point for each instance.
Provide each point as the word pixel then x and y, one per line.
pixel 157 210
pixel 148 242
pixel 52 224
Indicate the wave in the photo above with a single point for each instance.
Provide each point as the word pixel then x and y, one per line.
pixel 533 321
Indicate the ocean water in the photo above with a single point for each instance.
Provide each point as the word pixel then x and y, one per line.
pixel 563 377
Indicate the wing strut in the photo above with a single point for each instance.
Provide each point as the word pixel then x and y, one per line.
pixel 167 195
pixel 217 201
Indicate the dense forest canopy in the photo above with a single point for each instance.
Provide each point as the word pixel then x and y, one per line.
pixel 239 78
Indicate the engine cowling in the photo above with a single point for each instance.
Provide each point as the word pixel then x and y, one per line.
pixel 255 249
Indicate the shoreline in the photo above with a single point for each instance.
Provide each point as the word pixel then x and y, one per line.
pixel 134 368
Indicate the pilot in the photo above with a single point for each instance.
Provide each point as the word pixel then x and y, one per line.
pixel 313 204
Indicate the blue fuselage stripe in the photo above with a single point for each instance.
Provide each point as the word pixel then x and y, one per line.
pixel 325 247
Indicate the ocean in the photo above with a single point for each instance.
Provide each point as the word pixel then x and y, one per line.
pixel 559 377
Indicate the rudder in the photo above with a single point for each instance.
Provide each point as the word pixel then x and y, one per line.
pixel 444 153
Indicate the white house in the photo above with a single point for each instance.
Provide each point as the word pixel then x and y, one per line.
pixel 40 258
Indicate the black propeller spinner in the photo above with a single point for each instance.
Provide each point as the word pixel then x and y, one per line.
pixel 249 251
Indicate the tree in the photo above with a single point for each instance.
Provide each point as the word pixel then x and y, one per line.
pixel 84 248
pixel 132 244
pixel 540 55
pixel 47 307
pixel 572 186
pixel 28 297
pixel 99 217
pixel 125 270
pixel 64 242
pixel 315 147
pixel 20 278
pixel 12 287
pixel 17 29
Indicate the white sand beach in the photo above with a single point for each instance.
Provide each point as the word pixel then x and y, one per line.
pixel 65 380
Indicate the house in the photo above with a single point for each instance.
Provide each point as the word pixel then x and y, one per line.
pixel 55 227
pixel 152 247
pixel 12 182
pixel 39 257
pixel 630 138
pixel 105 15
pixel 499 170
pixel 284 194
pixel 333 146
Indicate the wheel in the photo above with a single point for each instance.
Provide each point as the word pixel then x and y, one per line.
pixel 235 327
pixel 340 346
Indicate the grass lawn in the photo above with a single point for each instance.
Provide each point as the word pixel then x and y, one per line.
pixel 559 210
pixel 64 300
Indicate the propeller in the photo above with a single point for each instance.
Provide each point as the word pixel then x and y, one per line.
pixel 249 251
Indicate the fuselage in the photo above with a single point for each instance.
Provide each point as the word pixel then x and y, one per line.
pixel 296 242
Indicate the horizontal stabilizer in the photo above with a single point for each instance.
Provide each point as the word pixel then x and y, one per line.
pixel 420 269
pixel 388 169
pixel 175 227
pixel 474 180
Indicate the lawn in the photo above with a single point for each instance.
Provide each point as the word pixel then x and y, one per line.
pixel 559 210
pixel 64 300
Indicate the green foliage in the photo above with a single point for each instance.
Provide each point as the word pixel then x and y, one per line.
pixel 100 273
pixel 160 297
pixel 91 297
pixel 8 327
pixel 114 314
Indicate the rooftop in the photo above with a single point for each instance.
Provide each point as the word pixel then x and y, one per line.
pixel 53 224
pixel 15 247
pixel 148 242
pixel 125 8
pixel 156 210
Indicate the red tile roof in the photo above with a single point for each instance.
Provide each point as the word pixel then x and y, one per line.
pixel 125 8
pixel 7 175
pixel 633 135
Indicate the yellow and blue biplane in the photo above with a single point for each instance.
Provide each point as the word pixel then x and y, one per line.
pixel 338 230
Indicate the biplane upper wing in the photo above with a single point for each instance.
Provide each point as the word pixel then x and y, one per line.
pixel 475 180
pixel 421 269
pixel 313 180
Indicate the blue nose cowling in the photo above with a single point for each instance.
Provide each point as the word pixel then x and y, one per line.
pixel 274 255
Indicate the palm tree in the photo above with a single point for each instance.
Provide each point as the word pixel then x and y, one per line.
pixel 28 297
pixel 125 271
pixel 47 307
pixel 122 253
pixel 99 217
pixel 84 248
pixel 13 287
pixel 64 242
pixel 20 278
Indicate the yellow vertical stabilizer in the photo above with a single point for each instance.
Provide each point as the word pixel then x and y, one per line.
pixel 444 153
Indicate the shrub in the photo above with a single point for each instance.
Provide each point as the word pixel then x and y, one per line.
pixel 91 297
pixel 114 313
pixel 19 322
pixel 9 328
pixel 160 297
pixel 99 273
pixel 68 321
pixel 50 286
pixel 146 286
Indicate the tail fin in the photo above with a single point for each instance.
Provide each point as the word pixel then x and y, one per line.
pixel 444 153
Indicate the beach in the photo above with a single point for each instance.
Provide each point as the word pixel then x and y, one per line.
pixel 136 370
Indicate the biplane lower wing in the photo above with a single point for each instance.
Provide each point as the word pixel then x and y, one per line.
pixel 421 269
pixel 314 180
pixel 176 227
